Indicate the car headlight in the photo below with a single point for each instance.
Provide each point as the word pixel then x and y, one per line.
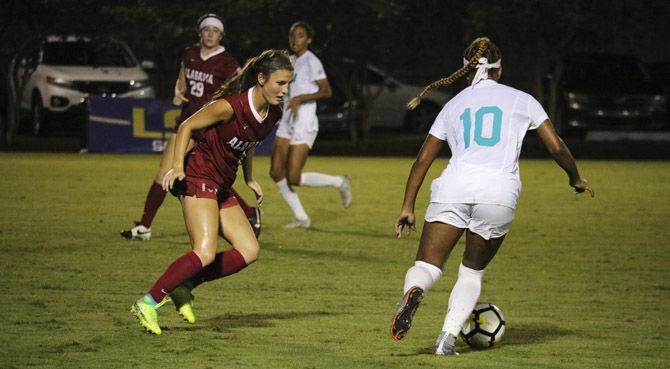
pixel 60 82
pixel 136 84
pixel 660 99
pixel 576 100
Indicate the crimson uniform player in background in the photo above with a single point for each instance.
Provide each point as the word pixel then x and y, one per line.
pixel 205 68
pixel 233 125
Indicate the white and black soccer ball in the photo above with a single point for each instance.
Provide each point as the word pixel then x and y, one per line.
pixel 485 326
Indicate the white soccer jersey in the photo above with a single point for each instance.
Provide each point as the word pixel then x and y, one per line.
pixel 307 70
pixel 484 126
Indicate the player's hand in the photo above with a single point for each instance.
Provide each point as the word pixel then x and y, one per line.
pixel 179 98
pixel 582 185
pixel 294 105
pixel 257 191
pixel 405 222
pixel 170 177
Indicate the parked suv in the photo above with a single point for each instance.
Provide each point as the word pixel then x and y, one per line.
pixel 51 78
pixel 607 92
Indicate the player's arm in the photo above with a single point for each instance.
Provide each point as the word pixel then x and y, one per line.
pixel 324 92
pixel 210 114
pixel 429 150
pixel 563 157
pixel 180 88
pixel 247 169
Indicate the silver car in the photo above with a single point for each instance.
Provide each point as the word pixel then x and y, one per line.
pixel 51 78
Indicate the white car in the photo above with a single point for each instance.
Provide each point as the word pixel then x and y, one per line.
pixel 52 77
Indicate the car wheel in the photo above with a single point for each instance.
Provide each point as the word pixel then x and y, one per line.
pixel 421 118
pixel 37 117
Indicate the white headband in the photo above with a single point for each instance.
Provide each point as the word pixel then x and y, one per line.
pixel 483 67
pixel 211 21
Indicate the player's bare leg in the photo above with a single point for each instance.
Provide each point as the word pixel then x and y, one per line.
pixel 465 293
pixel 437 241
pixel 279 172
pixel 155 196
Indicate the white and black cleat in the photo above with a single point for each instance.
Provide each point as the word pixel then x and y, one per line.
pixel 139 232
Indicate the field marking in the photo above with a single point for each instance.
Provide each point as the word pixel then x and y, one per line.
pixel 118 122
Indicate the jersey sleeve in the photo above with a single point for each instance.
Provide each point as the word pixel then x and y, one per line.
pixel 536 113
pixel 316 69
pixel 439 127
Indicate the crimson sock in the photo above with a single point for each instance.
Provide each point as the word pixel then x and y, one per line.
pixel 180 271
pixel 225 263
pixel 248 210
pixel 154 200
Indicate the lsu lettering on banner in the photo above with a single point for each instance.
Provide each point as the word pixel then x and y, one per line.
pixel 136 125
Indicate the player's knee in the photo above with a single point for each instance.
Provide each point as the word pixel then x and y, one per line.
pixel 294 178
pixel 205 252
pixel 249 250
pixel 475 263
pixel 277 174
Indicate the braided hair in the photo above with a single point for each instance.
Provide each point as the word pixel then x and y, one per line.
pixel 481 46
pixel 266 62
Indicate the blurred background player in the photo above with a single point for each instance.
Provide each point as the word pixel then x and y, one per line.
pixel 484 126
pixel 298 129
pixel 236 122
pixel 204 69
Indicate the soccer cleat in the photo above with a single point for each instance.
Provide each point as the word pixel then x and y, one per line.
pixel 445 344
pixel 298 223
pixel 138 231
pixel 183 302
pixel 402 321
pixel 147 315
pixel 345 191
pixel 255 221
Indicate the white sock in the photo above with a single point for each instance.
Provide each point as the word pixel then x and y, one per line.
pixel 423 275
pixel 291 199
pixel 463 299
pixel 314 179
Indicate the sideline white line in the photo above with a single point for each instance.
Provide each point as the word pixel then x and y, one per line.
pixel 119 122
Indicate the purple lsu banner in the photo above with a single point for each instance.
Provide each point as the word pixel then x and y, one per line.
pixel 136 125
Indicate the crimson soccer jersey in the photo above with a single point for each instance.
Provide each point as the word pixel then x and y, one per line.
pixel 204 77
pixel 217 155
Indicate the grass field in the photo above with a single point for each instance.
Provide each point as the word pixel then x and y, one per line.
pixel 583 283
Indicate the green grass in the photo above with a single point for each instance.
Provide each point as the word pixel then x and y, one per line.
pixel 582 282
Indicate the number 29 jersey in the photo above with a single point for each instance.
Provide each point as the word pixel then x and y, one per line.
pixel 204 76
pixel 484 126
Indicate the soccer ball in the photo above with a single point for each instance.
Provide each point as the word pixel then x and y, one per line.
pixel 485 326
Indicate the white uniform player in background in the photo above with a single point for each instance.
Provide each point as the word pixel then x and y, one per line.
pixel 476 194
pixel 298 129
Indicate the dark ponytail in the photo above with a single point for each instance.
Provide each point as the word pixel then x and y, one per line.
pixel 267 62
pixel 481 46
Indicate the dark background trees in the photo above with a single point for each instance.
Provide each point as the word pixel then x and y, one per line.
pixel 414 40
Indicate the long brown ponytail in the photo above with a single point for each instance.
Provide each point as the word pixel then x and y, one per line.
pixel 481 44
pixel 266 62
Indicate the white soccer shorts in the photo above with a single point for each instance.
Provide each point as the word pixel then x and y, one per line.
pixel 298 132
pixel 486 220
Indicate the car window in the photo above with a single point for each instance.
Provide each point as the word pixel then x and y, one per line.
pixel 99 54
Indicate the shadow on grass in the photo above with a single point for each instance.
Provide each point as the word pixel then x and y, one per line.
pixel 316 253
pixel 339 232
pixel 230 321
pixel 519 334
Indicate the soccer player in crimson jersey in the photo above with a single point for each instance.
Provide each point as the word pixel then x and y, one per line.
pixel 233 124
pixel 205 68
